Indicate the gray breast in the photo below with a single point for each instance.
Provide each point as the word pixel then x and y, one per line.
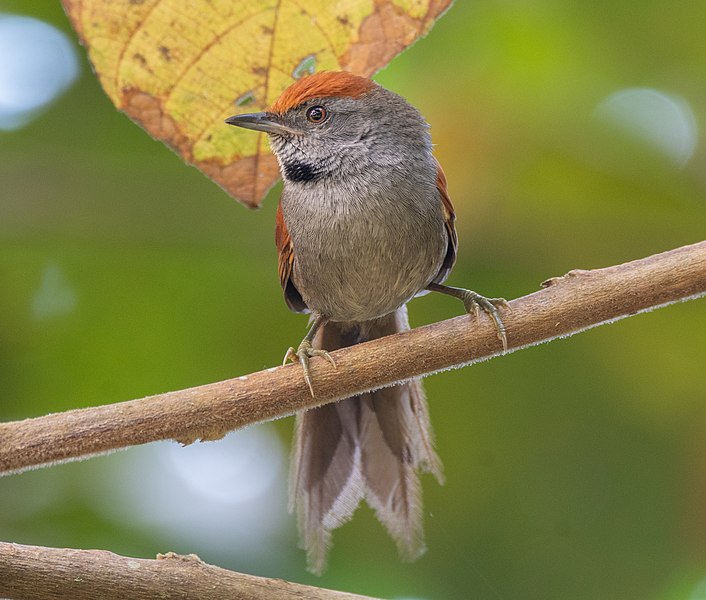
pixel 358 257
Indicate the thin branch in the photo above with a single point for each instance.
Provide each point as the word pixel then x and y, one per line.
pixel 39 573
pixel 567 305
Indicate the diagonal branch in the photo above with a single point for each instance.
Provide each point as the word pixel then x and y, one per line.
pixel 39 573
pixel 567 305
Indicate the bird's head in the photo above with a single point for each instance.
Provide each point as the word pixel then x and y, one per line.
pixel 335 124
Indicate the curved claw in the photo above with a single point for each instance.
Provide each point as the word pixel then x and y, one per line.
pixel 474 302
pixel 289 355
pixel 302 355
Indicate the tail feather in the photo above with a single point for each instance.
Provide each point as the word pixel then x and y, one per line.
pixel 392 485
pixel 370 446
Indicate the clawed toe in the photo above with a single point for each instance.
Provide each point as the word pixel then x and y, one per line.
pixel 302 355
pixel 475 303
pixel 290 355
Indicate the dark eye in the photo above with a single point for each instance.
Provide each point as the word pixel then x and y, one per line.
pixel 316 114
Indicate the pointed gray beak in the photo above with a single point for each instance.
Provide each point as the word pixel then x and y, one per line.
pixel 263 121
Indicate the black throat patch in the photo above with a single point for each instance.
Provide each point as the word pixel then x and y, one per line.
pixel 297 171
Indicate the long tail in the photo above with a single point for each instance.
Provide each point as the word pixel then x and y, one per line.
pixel 370 446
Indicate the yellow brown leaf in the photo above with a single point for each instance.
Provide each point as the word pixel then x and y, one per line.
pixel 180 68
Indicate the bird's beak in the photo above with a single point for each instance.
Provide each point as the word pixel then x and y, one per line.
pixel 262 121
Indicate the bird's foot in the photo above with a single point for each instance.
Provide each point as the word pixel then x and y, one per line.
pixel 474 303
pixel 302 355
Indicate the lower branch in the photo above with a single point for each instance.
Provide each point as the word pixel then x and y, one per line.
pixel 567 305
pixel 38 573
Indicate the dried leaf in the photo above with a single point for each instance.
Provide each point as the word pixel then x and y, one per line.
pixel 179 68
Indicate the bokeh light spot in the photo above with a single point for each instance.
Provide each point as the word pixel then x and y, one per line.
pixel 37 64
pixel 226 497
pixel 55 297
pixel 664 121
pixel 239 471
pixel 699 592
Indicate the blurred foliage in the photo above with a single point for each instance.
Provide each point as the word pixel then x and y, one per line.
pixel 576 469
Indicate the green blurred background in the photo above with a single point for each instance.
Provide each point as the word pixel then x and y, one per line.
pixel 569 132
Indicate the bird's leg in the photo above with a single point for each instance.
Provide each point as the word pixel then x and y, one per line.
pixel 304 352
pixel 474 303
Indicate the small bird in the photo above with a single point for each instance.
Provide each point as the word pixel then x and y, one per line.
pixel 364 224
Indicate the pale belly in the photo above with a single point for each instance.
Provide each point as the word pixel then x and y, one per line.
pixel 351 268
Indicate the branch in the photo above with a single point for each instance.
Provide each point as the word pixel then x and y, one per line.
pixel 39 573
pixel 567 305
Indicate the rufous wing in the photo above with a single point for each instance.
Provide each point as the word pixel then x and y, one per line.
pixel 449 221
pixel 285 264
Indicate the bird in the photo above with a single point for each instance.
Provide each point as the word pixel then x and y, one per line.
pixel 364 224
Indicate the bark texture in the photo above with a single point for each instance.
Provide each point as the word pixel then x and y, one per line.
pixel 39 573
pixel 567 305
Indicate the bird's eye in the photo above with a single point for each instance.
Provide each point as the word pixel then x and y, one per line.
pixel 316 114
